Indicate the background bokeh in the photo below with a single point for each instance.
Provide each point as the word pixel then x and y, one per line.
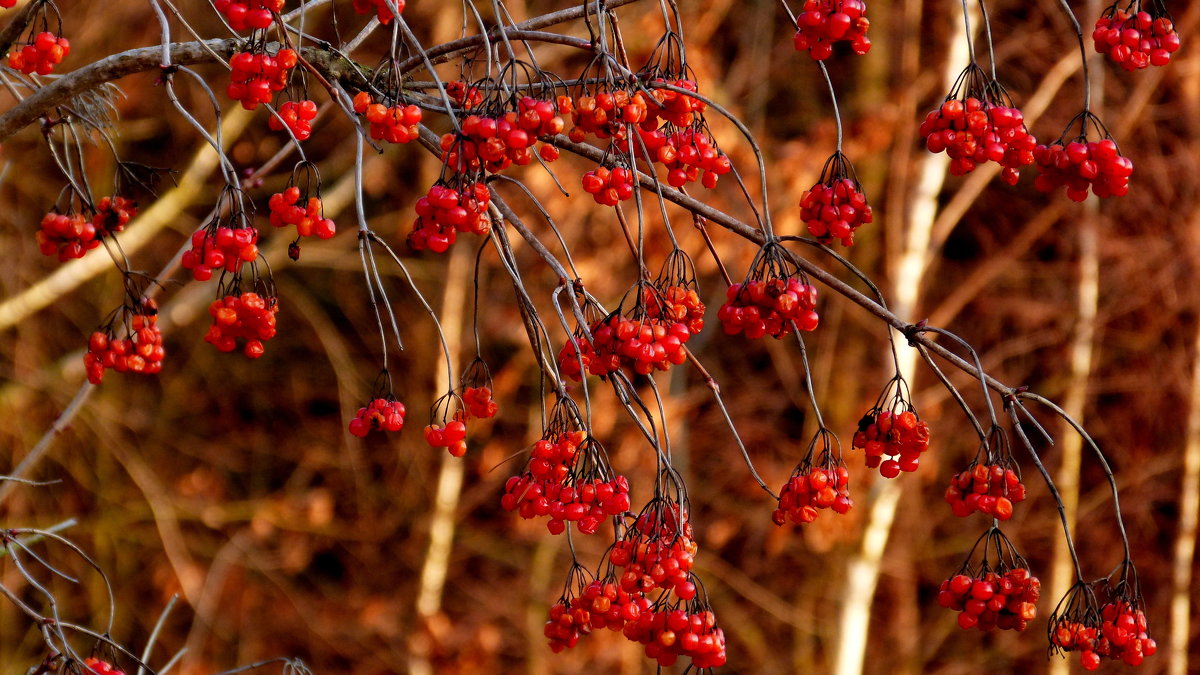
pixel 234 483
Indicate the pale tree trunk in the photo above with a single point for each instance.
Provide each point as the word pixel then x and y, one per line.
pixel 913 260
pixel 1185 539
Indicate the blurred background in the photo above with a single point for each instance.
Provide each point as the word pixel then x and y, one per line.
pixel 235 485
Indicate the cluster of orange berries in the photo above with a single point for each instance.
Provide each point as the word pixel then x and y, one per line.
pixel 769 307
pixel 445 211
pixel 394 124
pixel 286 209
pixel 899 437
pixel 46 51
pixel 223 247
pixel 256 76
pixel 1005 600
pixel 811 489
pixel 381 414
pixel 248 316
pixel 992 489
pixel 249 14
pixel 141 352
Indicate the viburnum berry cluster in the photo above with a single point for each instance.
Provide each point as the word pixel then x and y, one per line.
pixel 451 206
pixel 40 56
pixel 249 14
pixel 999 593
pixel 395 123
pixel 674 296
pixel 820 481
pixel 255 76
pixel 608 186
pixel 383 413
pixel 248 317
pixel 1080 164
pixel 685 628
pixel 112 214
pixel 658 551
pixel 1136 36
pixel 610 113
pixel 493 141
pixel 66 235
pixel 835 207
pixel 638 341
pixel 1116 630
pixel 447 426
pixel 978 123
pixel 299 204
pixel 476 388
pixel 297 115
pixel 221 245
pixel 97 666
pixel 991 483
pixel 688 155
pixel 823 23
pixel 382 9
pixel 139 351
pixel 569 480
pixel 890 434
pixel 774 298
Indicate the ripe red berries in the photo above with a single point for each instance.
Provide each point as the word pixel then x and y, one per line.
pixel 1117 630
pixel 395 124
pixel 256 76
pixel 978 123
pixel 141 351
pixel 825 22
pixel 1081 164
pixel 98 667
pixel 380 8
pixel 67 236
pixel 249 14
pixel 286 209
pixel 298 116
pixel 992 599
pixel 819 481
pixel 835 207
pixel 992 489
pixel 608 186
pixel 381 414
pixel 1135 38
pixel 774 296
pixel 46 51
pixel 220 247
pixel 445 211
pixel 248 316
pixel 900 437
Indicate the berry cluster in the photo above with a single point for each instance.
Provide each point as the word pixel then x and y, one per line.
pixel 978 123
pixel 445 211
pixel 479 402
pixel 379 8
pixel 688 155
pixel 140 352
pixel 492 144
pixel 220 247
pixel 99 667
pixel 640 342
pixel 601 604
pixel 67 236
pixel 40 56
pixel 608 186
pixel 112 214
pixel 988 600
pixel 1082 164
pixel 298 116
pixel 451 435
pixel 1136 39
pixel 394 124
pixel 466 96
pixel 990 488
pixel 1123 633
pixel 822 23
pixel 774 296
pixel 890 433
pixel 568 479
pixel 249 14
pixel 608 114
pixel 673 107
pixel 381 414
pixel 248 316
pixel 671 633
pixel 677 303
pixel 8 4
pixel 835 207
pixel 256 76
pixel 1117 631
pixel 820 481
pixel 658 551
pixel 290 208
